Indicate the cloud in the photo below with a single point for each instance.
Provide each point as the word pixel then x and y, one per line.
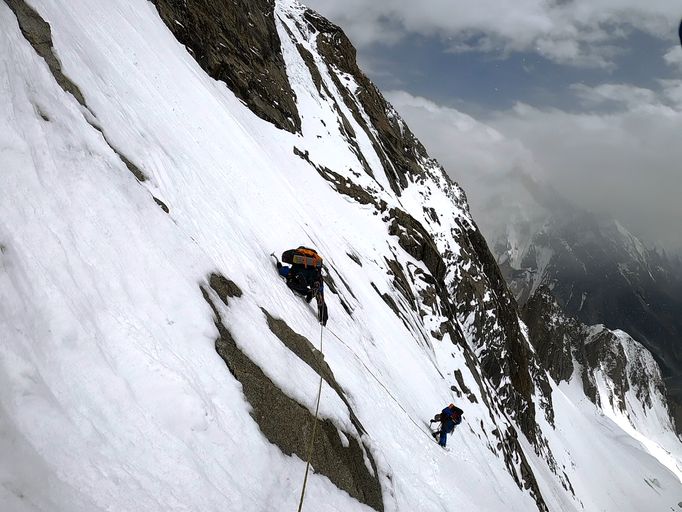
pixel 625 162
pixel 458 140
pixel 672 91
pixel 577 32
pixel 673 57
pixel 620 95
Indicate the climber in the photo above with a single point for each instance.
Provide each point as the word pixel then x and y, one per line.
pixel 448 417
pixel 304 277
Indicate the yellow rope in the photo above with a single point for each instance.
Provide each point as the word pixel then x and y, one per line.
pixel 312 438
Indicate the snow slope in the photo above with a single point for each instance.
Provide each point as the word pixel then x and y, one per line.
pixel 112 394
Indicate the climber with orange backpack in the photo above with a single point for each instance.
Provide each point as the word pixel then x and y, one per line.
pixel 304 277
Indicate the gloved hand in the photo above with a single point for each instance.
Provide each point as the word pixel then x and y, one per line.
pixel 322 314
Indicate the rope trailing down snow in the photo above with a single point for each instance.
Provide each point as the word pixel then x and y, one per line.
pixel 409 416
pixel 317 409
pixel 312 437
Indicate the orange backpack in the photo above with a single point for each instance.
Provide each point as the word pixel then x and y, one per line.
pixel 302 256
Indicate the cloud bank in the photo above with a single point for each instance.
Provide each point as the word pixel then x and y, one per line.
pixel 576 32
pixel 622 156
pixel 613 147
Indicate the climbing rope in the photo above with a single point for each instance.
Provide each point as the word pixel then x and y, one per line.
pixel 381 384
pixel 317 408
pixel 312 437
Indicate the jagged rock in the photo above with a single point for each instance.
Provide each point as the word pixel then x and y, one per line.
pixel 460 381
pixel 506 351
pixel 600 353
pixel 236 41
pixel 288 424
pixel 416 241
pixel 38 33
pixel 600 273
pixel 552 334
pixel 163 205
pixel 398 149
pixel 224 287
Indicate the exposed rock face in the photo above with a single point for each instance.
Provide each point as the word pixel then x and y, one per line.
pixel 501 327
pixel 552 334
pixel 301 346
pixel 288 424
pixel 601 353
pixel 417 242
pixel 224 287
pixel 601 274
pixel 399 150
pixel 37 32
pixel 343 185
pixel 236 41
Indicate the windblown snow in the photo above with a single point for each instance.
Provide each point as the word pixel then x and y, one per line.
pixel 112 395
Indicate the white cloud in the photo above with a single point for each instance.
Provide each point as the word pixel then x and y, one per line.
pixel 626 162
pixel 626 95
pixel 463 145
pixel 673 57
pixel 672 91
pixel 579 32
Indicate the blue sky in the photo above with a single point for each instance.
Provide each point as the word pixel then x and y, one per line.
pixel 583 94
pixel 478 82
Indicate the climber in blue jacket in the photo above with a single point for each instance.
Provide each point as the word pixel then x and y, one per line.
pixel 449 418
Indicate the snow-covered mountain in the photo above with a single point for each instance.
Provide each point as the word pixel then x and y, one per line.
pixel 152 156
pixel 598 271
pixel 617 373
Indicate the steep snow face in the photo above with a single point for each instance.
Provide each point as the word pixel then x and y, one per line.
pixel 598 271
pixel 126 376
pixel 113 396
pixel 642 409
pixel 618 375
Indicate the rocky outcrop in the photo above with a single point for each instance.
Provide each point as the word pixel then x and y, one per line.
pixel 552 334
pixel 285 422
pixel 301 346
pixel 343 185
pixel 38 33
pixel 399 150
pixel 236 41
pixel 600 353
pixel 600 273
pixel 499 342
pixel 416 241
